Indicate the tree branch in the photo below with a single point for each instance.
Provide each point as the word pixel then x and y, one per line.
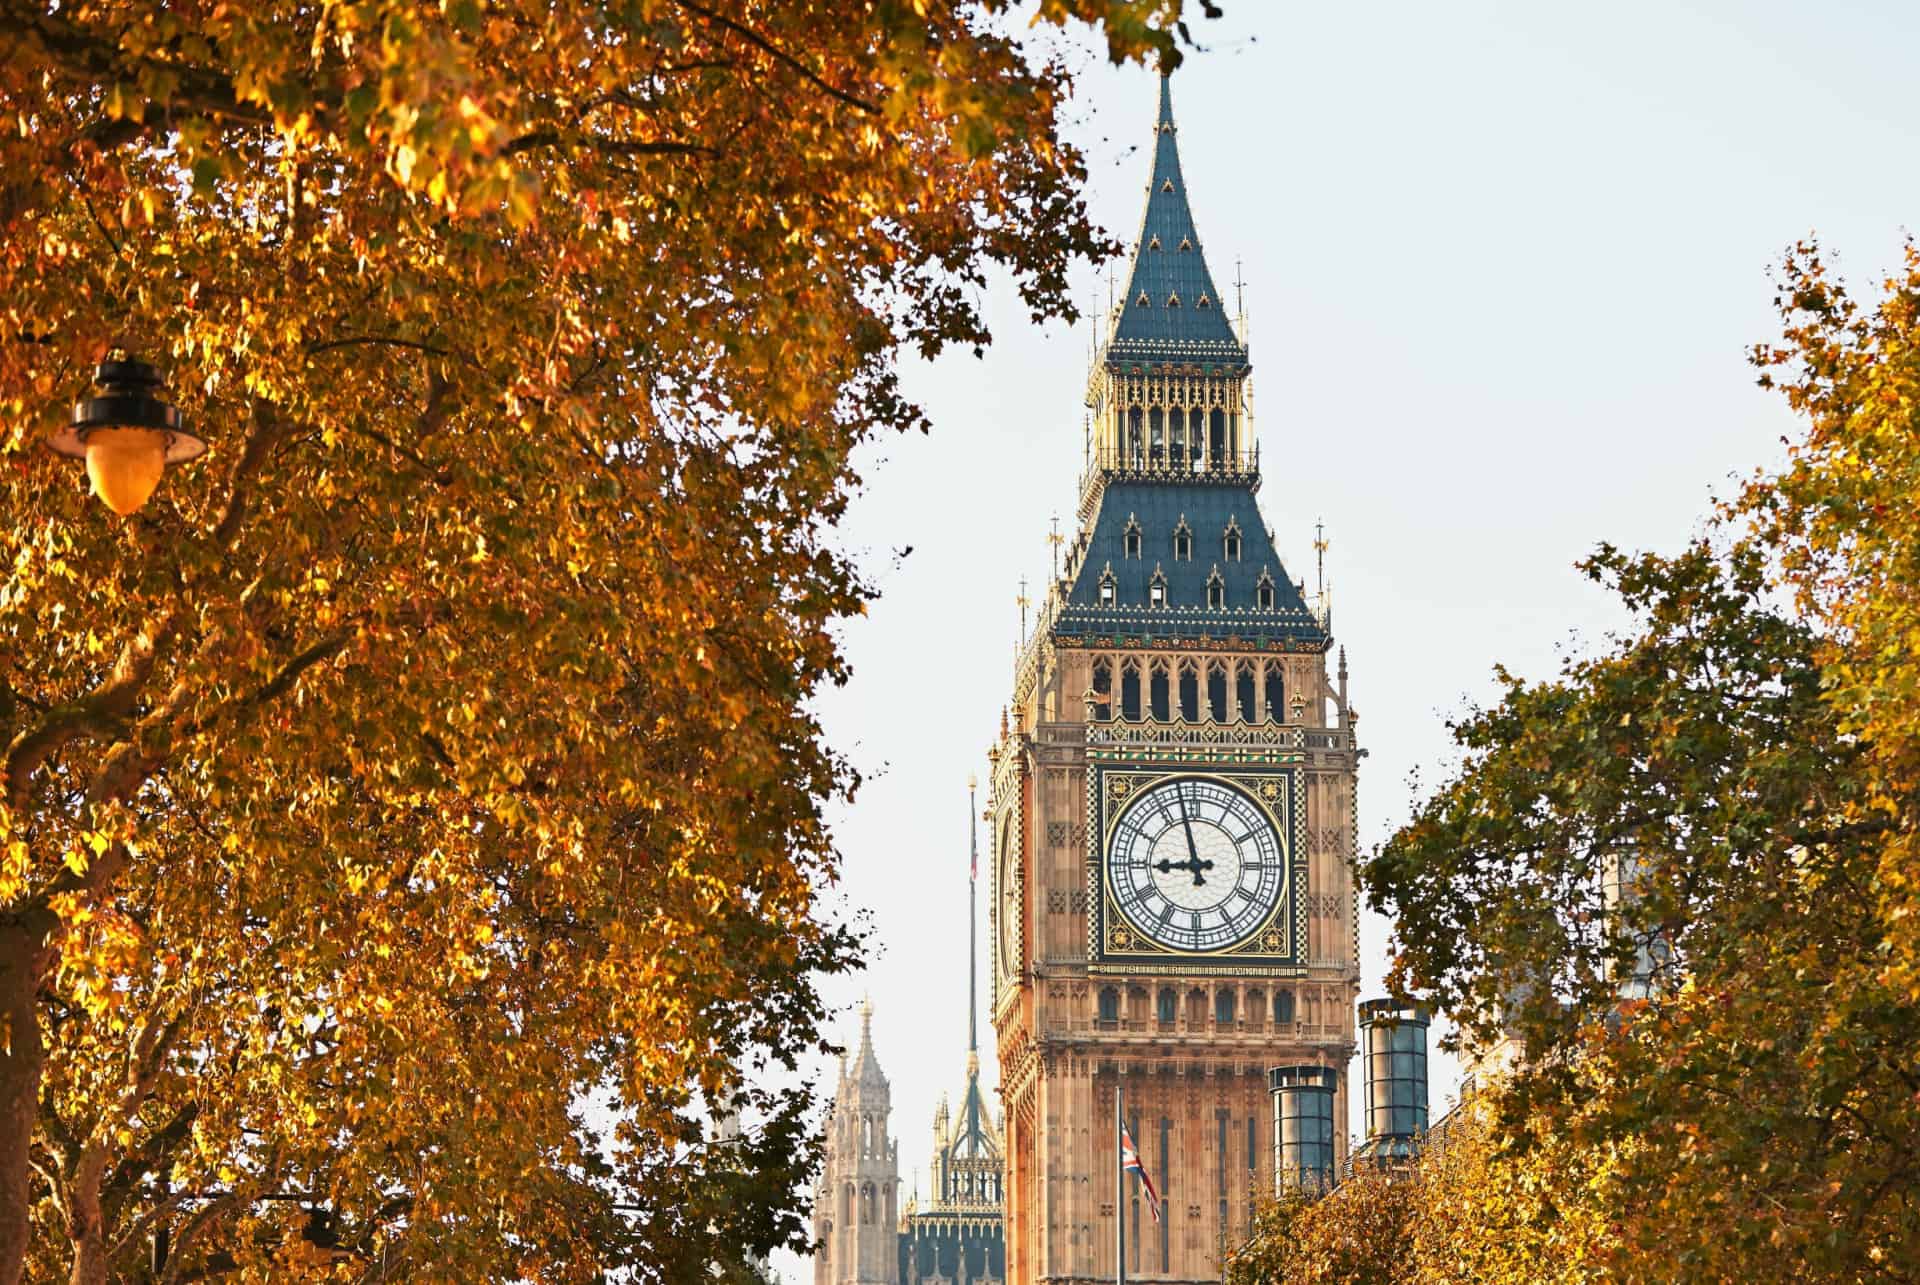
pixel 100 712
pixel 550 136
pixel 760 42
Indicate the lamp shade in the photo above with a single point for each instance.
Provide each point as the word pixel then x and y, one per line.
pixel 127 433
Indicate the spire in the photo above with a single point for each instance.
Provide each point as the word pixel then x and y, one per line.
pixel 1171 311
pixel 866 1066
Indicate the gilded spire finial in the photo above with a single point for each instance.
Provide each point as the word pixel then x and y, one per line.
pixel 1320 557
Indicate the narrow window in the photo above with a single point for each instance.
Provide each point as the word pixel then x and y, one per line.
pixel 1173 301
pixel 1102 689
pixel 1158 694
pixel 1217 693
pixel 1216 589
pixel 1154 244
pixel 1109 1004
pixel 1189 694
pixel 1203 302
pixel 1166 1189
pixel 1141 301
pixel 1276 695
pixel 1107 589
pixel 1217 438
pixel 1156 435
pixel 1132 534
pixel 1186 243
pixel 1243 689
pixel 1232 541
pixel 1283 1008
pixel 1263 592
pixel 1166 185
pixel 1169 1005
pixel 1223 1006
pixel 1157 590
pixel 1135 418
pixel 1183 542
pixel 1130 693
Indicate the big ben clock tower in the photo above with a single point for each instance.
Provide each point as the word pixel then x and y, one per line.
pixel 1172 805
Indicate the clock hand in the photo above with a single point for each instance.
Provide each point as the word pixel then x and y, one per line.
pixel 1194 864
pixel 1193 853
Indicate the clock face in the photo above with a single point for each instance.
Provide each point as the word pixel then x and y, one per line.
pixel 1007 886
pixel 1195 864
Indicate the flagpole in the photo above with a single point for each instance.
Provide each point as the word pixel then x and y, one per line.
pixel 1119 1185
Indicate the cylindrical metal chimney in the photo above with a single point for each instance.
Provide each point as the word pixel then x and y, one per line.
pixel 1303 1126
pixel 1393 1040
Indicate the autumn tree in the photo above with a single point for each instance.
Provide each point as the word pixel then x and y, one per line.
pixel 1674 870
pixel 1354 1236
pixel 1471 1208
pixel 411 815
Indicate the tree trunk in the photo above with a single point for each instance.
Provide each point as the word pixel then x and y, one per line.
pixel 24 956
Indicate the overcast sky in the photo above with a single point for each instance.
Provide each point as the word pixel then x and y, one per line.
pixel 1503 262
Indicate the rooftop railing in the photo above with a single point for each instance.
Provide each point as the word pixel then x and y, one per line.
pixel 1168 464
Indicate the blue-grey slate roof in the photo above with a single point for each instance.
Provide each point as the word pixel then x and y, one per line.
pixel 1150 325
pixel 1208 508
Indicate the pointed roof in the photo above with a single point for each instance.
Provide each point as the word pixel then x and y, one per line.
pixel 866 1067
pixel 1172 310
pixel 974 1137
pixel 1208 511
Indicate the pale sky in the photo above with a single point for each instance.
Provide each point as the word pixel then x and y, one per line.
pixel 1503 262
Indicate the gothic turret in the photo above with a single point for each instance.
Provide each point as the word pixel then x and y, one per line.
pixel 856 1201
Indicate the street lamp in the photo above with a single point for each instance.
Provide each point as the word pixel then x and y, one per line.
pixel 127 433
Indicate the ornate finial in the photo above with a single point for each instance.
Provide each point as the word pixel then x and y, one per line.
pixel 1343 662
pixel 1055 539
pixel 1003 722
pixel 866 1022
pixel 1239 300
pixel 1024 602
pixel 1320 558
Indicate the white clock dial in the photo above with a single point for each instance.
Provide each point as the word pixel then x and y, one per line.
pixel 1195 864
pixel 1008 888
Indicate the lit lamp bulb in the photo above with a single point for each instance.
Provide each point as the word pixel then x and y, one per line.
pixel 127 434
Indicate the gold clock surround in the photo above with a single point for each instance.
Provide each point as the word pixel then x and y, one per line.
pixel 1277 948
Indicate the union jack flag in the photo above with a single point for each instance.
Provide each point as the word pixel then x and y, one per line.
pixel 1130 1163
